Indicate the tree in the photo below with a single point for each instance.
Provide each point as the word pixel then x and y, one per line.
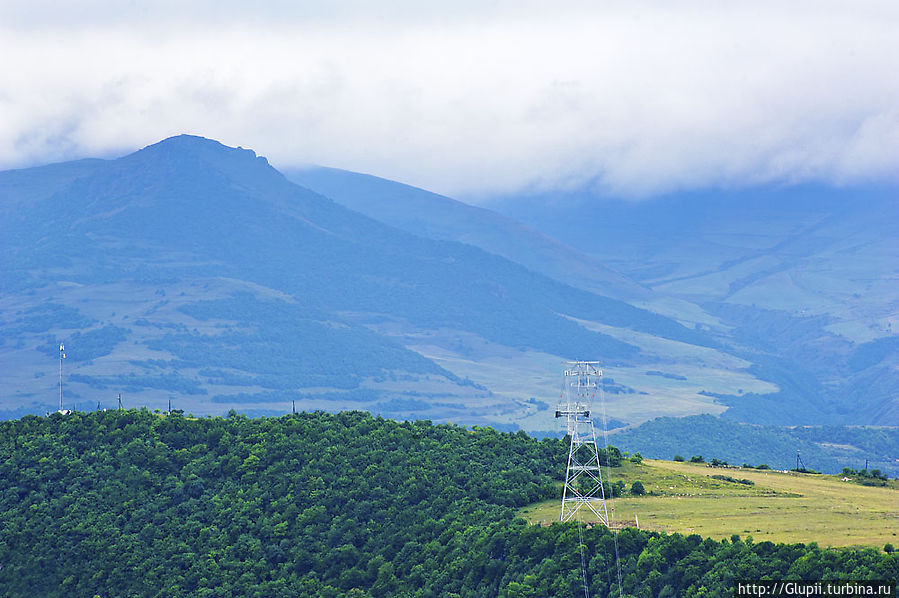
pixel 637 488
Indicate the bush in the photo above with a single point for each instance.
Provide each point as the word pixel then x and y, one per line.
pixel 613 490
pixel 637 488
pixel 609 456
pixel 888 548
pixel 727 478
pixel 636 458
pixel 678 458
pixel 697 459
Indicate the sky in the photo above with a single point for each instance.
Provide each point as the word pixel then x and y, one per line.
pixel 468 98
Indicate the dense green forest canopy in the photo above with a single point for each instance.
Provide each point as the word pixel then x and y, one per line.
pixel 131 503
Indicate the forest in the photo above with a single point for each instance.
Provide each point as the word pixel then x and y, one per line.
pixel 132 503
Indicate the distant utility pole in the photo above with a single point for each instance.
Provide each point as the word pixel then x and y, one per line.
pixel 62 355
pixel 120 401
pixel 583 476
pixel 293 404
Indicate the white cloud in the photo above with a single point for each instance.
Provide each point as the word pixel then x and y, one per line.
pixel 469 100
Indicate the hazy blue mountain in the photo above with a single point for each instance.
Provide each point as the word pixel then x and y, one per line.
pixel 21 188
pixel 802 281
pixel 822 448
pixel 438 217
pixel 197 271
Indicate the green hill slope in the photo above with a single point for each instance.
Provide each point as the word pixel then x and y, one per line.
pixel 128 503
pixel 767 505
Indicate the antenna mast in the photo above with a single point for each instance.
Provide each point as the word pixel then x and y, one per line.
pixel 62 355
pixel 583 476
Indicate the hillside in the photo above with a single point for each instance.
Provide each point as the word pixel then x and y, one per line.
pixel 438 217
pixel 768 505
pixel 130 503
pixel 801 281
pixel 196 272
pixel 823 448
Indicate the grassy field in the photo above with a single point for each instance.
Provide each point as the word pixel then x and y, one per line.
pixel 780 507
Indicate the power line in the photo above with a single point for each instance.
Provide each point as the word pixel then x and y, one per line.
pixel 605 436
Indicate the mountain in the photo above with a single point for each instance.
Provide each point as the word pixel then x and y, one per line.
pixel 802 281
pixel 823 448
pixel 197 272
pixel 435 216
pixel 19 188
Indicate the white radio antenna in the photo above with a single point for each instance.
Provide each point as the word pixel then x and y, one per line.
pixel 62 355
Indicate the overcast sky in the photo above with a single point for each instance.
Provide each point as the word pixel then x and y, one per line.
pixel 472 98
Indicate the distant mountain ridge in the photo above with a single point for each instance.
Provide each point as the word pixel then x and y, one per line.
pixel 438 217
pixel 199 272
pixel 801 279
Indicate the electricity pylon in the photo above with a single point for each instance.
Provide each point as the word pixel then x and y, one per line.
pixel 583 477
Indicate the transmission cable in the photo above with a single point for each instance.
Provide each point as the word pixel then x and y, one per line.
pixel 605 433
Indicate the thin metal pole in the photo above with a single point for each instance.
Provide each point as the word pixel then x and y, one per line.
pixel 62 356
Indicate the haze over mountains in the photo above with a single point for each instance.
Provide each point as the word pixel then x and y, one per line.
pixel 801 282
pixel 197 272
pixel 805 281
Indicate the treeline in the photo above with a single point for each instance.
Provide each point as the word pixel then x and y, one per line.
pixel 875 477
pixel 130 503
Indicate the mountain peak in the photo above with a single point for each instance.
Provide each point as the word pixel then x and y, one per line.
pixel 200 147
pixel 189 142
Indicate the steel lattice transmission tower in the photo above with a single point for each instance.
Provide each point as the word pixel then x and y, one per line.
pixel 583 477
